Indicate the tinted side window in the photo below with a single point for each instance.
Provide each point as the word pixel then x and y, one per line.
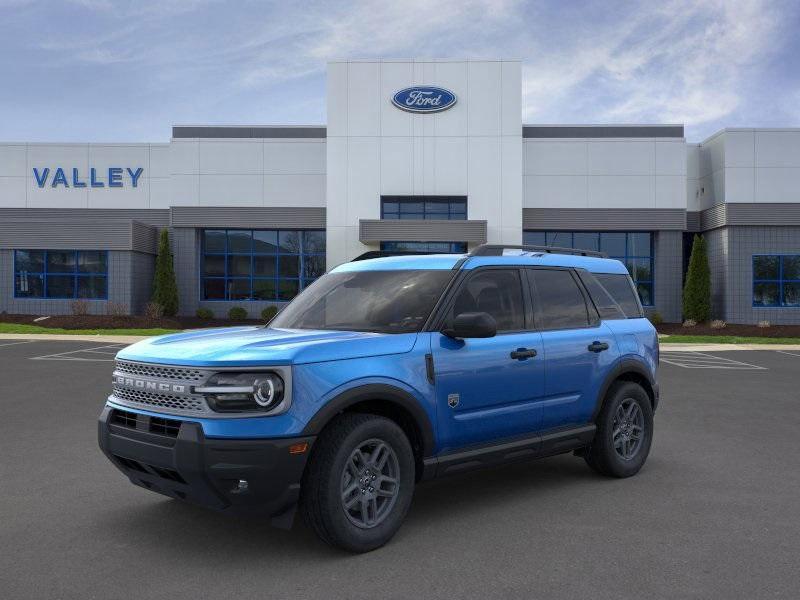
pixel 561 302
pixel 605 304
pixel 497 292
pixel 621 290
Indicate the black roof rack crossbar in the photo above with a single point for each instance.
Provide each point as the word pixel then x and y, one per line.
pixel 497 250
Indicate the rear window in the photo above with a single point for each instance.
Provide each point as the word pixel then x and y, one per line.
pixel 621 289
pixel 605 304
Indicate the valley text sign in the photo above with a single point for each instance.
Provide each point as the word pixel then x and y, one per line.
pixel 424 99
pixel 113 177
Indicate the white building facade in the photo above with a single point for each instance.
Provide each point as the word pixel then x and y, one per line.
pixel 257 213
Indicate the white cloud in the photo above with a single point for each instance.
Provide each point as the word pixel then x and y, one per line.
pixel 683 62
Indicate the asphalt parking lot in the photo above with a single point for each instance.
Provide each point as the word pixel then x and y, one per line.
pixel 715 513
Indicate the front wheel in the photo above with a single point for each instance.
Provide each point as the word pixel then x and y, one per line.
pixel 359 482
pixel 624 432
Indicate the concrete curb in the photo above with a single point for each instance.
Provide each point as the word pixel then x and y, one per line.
pixel 726 347
pixel 130 339
pixel 48 337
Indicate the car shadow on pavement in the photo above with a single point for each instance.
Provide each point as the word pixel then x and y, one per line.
pixel 178 527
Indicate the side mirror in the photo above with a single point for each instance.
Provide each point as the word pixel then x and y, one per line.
pixel 472 325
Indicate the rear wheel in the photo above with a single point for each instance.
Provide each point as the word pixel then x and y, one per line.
pixel 359 482
pixel 624 432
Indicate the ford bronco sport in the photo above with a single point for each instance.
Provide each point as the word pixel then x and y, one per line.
pixel 386 372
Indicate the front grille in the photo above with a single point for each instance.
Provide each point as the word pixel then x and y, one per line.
pixel 131 464
pixel 160 372
pixel 161 426
pixel 123 418
pixel 135 465
pixel 169 401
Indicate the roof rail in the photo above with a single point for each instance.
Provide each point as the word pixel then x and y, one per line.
pixel 497 250
pixel 384 253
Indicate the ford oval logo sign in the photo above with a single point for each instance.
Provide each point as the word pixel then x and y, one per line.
pixel 424 99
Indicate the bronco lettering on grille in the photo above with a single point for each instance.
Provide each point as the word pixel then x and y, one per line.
pixel 154 386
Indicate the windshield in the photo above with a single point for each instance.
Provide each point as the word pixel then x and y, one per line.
pixel 379 301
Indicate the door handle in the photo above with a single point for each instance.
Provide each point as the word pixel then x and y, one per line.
pixel 523 353
pixel 597 346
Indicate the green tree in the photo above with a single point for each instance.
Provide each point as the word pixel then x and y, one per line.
pixel 165 288
pixel 697 290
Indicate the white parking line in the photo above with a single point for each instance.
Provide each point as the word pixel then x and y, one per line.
pixel 70 355
pixel 701 360
pixel 788 353
pixel 17 343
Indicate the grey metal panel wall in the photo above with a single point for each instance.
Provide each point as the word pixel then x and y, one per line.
pixel 72 234
pixel 151 216
pixel 668 275
pixel 314 132
pixel 717 250
pixel 418 230
pixel 264 217
pixel 693 221
pixel 141 278
pixel 144 238
pixel 602 131
pixel 713 217
pixel 604 219
pixel 186 253
pixel 743 243
pixel 782 214
pixel 777 214
pixel 128 280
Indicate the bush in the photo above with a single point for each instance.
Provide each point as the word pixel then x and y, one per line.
pixel 205 314
pixel 237 313
pixel 79 308
pixel 153 311
pixel 116 309
pixel 165 288
pixel 764 324
pixel 690 323
pixel 269 313
pixel 656 318
pixel 718 324
pixel 697 291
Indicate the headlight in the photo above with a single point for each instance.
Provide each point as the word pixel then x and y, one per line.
pixel 243 392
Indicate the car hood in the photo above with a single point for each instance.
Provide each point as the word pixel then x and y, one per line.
pixel 251 346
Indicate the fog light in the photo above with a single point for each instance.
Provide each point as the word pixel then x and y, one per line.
pixel 241 488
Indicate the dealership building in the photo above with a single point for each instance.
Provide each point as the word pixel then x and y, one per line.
pixel 427 155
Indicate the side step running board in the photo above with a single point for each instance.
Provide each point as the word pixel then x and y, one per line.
pixel 538 446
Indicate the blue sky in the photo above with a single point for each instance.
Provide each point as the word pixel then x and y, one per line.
pixel 104 70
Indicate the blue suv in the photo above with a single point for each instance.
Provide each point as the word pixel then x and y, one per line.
pixel 387 372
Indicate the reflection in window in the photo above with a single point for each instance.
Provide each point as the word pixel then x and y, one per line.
pixel 634 249
pixel 432 247
pixel 448 208
pixel 64 274
pixel 260 264
pixel 776 280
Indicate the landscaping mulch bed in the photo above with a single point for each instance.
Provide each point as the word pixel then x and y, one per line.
pixel 122 322
pixel 774 331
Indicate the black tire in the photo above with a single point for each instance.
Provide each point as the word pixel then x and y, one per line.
pixel 603 455
pixel 321 500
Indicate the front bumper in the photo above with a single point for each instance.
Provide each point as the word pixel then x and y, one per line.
pixel 173 457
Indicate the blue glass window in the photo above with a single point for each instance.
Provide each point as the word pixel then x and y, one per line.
pixel 449 208
pixel 66 274
pixel 776 280
pixel 260 264
pixel 432 247
pixel 633 248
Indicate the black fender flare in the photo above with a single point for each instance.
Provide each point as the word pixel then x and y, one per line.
pixel 623 367
pixel 380 392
